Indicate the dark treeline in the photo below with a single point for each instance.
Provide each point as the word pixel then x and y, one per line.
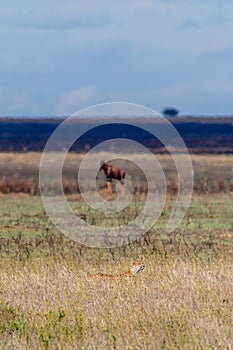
pixel 210 135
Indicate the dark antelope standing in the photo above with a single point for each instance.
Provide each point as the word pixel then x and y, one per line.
pixel 111 173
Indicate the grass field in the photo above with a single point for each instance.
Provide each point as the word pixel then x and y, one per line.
pixel 182 300
pixel 19 173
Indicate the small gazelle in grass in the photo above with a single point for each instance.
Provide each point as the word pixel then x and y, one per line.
pixel 136 267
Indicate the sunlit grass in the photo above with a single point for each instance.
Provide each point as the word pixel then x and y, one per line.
pixel 178 302
pixel 182 300
pixel 19 173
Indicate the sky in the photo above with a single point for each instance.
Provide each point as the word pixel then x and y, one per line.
pixel 58 57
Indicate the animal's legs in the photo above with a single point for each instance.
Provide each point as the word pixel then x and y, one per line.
pixel 109 187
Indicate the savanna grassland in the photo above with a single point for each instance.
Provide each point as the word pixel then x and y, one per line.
pixel 182 300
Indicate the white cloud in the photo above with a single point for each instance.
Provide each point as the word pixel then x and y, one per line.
pixel 150 52
pixel 14 102
pixel 72 101
pixel 199 97
pixel 192 27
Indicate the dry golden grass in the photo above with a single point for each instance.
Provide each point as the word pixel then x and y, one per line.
pixel 182 300
pixel 19 173
pixel 177 303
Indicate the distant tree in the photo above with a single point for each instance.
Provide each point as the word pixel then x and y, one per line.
pixel 170 112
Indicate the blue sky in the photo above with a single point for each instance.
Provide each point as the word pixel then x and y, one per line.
pixel 58 56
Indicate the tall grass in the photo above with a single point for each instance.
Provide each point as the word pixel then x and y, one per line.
pixel 182 300
pixel 20 173
pixel 178 302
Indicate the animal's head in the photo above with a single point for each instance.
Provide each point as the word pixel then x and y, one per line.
pixel 102 163
pixel 137 266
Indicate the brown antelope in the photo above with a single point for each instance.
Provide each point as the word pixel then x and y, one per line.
pixel 112 173
pixel 136 267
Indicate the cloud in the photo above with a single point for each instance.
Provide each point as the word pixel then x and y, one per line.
pixel 148 27
pixel 146 51
pixel 72 101
pixel 14 102
pixel 165 26
pixel 199 97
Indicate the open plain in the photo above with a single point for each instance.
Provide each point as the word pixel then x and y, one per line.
pixel 183 299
